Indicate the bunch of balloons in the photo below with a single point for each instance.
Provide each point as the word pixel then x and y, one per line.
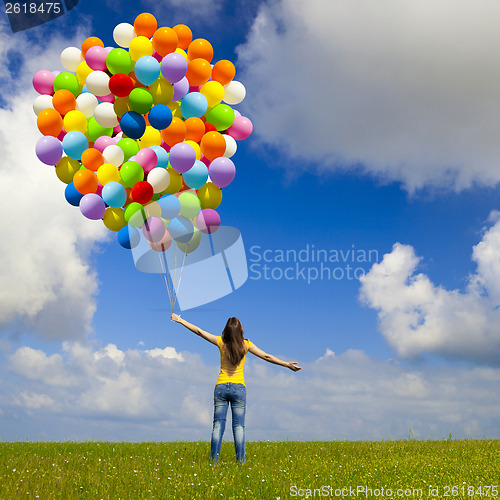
pixel 142 134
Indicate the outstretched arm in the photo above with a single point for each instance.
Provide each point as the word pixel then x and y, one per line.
pixel 195 329
pixel 292 365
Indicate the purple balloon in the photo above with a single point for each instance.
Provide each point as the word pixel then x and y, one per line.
pixel 49 150
pixel 208 221
pixel 154 229
pixel 181 88
pixel 182 157
pixel 222 171
pixel 174 67
pixel 92 206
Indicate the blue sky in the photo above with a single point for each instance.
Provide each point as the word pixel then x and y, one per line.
pixel 374 130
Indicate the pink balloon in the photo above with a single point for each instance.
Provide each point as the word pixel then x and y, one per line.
pixel 208 221
pixel 147 159
pixel 96 58
pixel 103 142
pixel 107 98
pixel 241 128
pixel 43 82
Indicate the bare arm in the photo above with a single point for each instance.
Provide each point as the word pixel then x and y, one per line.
pixel 292 365
pixel 195 329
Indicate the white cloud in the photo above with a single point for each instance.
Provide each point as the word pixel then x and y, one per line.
pixel 417 317
pixel 406 90
pixel 339 396
pixel 47 283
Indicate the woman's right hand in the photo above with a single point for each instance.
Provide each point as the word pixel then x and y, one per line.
pixel 292 365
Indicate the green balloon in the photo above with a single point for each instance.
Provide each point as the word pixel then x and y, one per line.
pixel 140 100
pixel 94 130
pixel 190 204
pixel 131 172
pixel 221 116
pixel 134 214
pixel 67 81
pixel 119 61
pixel 129 147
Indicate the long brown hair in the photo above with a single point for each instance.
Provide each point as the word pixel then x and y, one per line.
pixel 232 336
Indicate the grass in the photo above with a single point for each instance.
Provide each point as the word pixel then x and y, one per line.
pixel 273 470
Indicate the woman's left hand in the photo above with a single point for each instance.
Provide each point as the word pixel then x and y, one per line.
pixel 175 317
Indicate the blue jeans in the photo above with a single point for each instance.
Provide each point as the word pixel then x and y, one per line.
pixel 224 394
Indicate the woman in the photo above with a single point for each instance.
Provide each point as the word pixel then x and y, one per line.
pixel 230 386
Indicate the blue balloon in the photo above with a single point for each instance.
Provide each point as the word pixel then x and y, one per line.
pixel 181 229
pixel 160 116
pixel 128 237
pixel 194 104
pixel 196 176
pixel 147 70
pixel 74 144
pixel 170 206
pixel 162 156
pixel 133 125
pixel 114 194
pixel 72 196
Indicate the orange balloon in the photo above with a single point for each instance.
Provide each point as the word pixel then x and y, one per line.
pixel 49 122
pixel 145 24
pixel 200 48
pixel 91 41
pixel 85 181
pixel 184 34
pixel 63 101
pixel 92 159
pixel 175 132
pixel 165 40
pixel 223 71
pixel 198 72
pixel 213 145
pixel 195 129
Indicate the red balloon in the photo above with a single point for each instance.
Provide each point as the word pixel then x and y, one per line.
pixel 121 84
pixel 210 128
pixel 142 192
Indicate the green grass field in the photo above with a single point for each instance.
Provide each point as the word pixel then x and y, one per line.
pixel 273 470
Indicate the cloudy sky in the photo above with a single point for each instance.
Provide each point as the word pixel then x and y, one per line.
pixel 376 141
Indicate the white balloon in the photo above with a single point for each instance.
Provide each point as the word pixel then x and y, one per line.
pixel 231 146
pixel 105 115
pixel 234 92
pixel 86 103
pixel 42 102
pixel 98 83
pixel 123 34
pixel 159 178
pixel 113 154
pixel 71 57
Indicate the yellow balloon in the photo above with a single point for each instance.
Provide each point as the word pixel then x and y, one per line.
pixel 152 209
pixel 121 106
pixel 114 219
pixel 175 182
pixel 210 196
pixel 140 46
pixel 162 91
pixel 182 53
pixel 108 173
pixel 151 137
pixel 75 120
pixel 214 92
pixel 175 107
pixel 82 71
pixel 66 169
pixel 192 244
pixel 196 148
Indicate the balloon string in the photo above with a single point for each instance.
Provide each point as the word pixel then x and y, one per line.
pixel 180 275
pixel 168 280
pixel 164 279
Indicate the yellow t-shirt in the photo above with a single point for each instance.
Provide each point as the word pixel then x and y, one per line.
pixel 229 372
